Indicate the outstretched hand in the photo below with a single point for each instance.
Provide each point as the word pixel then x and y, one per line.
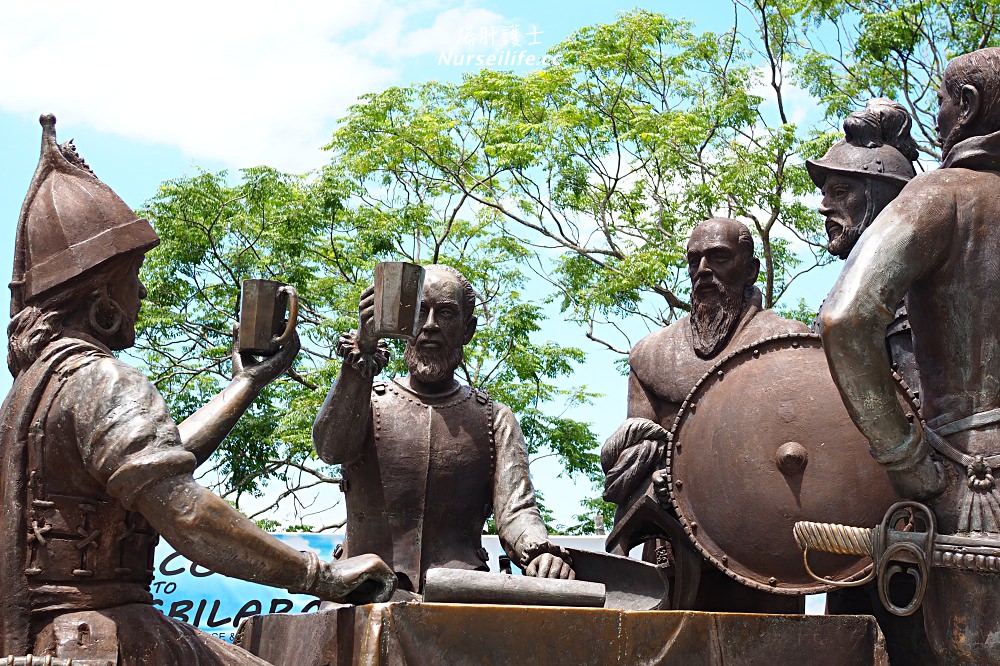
pixel 362 579
pixel 548 565
pixel 263 372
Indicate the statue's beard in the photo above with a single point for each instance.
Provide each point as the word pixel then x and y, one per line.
pixel 841 245
pixel 714 317
pixel 432 365
pixel 948 142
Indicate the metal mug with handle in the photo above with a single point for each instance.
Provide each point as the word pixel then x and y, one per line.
pixel 263 327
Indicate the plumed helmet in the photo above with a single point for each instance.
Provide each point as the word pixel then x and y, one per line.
pixel 70 223
pixel 877 144
pixel 881 162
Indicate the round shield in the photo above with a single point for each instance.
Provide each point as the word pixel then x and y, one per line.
pixel 762 441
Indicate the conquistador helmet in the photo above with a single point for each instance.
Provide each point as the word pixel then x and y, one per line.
pixel 876 144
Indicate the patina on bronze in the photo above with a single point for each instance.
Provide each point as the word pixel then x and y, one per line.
pixel 425 460
pixel 937 244
pixel 858 177
pixel 665 366
pixel 905 544
pixel 801 459
pixel 94 469
pixel 466 635
pixel 443 585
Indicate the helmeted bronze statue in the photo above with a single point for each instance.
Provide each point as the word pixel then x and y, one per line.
pixel 93 467
pixel 858 177
pixel 938 245
pixel 425 460
pixel 726 314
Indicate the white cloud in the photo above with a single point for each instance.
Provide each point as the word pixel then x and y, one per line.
pixel 240 82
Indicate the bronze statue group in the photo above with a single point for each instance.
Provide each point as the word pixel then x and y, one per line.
pixel 93 468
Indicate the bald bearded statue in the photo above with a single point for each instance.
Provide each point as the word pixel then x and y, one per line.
pixel 726 314
pixel 426 460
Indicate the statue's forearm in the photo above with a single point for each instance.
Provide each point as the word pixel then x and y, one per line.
pixel 204 528
pixel 342 424
pixel 202 432
pixel 853 341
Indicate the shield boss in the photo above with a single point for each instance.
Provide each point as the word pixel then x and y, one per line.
pixel 762 441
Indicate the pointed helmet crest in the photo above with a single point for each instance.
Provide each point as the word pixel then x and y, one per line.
pixel 70 223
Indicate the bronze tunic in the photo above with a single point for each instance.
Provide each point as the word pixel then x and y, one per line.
pixel 81 434
pixel 420 496
pixel 421 493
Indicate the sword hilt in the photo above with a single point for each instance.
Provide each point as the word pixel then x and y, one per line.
pixel 834 538
pixel 837 539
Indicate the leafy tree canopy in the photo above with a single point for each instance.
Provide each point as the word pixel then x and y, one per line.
pixel 581 180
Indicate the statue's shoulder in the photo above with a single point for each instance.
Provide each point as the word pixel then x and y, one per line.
pixel 936 183
pixel 768 323
pixel 650 353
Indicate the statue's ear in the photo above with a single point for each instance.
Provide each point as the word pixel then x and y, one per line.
pixel 753 271
pixel 470 330
pixel 969 104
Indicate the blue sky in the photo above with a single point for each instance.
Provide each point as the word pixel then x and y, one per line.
pixel 151 93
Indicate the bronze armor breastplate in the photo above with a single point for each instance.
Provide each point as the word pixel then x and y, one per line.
pixel 420 496
pixel 76 531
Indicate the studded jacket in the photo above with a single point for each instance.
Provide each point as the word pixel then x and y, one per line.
pixel 434 471
pixel 82 433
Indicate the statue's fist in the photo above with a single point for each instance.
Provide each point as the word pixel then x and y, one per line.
pixel 363 579
pixel 263 372
pixel 661 486
pixel 367 340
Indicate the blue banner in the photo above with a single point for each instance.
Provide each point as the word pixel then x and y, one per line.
pixel 217 604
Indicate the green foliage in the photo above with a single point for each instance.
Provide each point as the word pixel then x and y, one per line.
pixel 587 521
pixel 582 180
pixel 324 236
pixel 890 48
pixel 643 129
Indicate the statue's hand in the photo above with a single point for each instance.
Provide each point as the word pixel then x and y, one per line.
pixel 548 565
pixel 367 340
pixel 363 579
pixel 631 432
pixel 263 372
pixel 630 456
pixel 661 486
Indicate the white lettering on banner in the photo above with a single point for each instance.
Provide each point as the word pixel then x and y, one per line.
pixel 217 604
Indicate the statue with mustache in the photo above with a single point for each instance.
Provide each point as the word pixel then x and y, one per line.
pixel 726 314
pixel 858 177
pixel 426 460
pixel 936 245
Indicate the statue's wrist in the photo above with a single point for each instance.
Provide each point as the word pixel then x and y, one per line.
pixel 537 548
pixel 310 575
pixel 368 362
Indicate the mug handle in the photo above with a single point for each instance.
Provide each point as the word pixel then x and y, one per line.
pixel 293 315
